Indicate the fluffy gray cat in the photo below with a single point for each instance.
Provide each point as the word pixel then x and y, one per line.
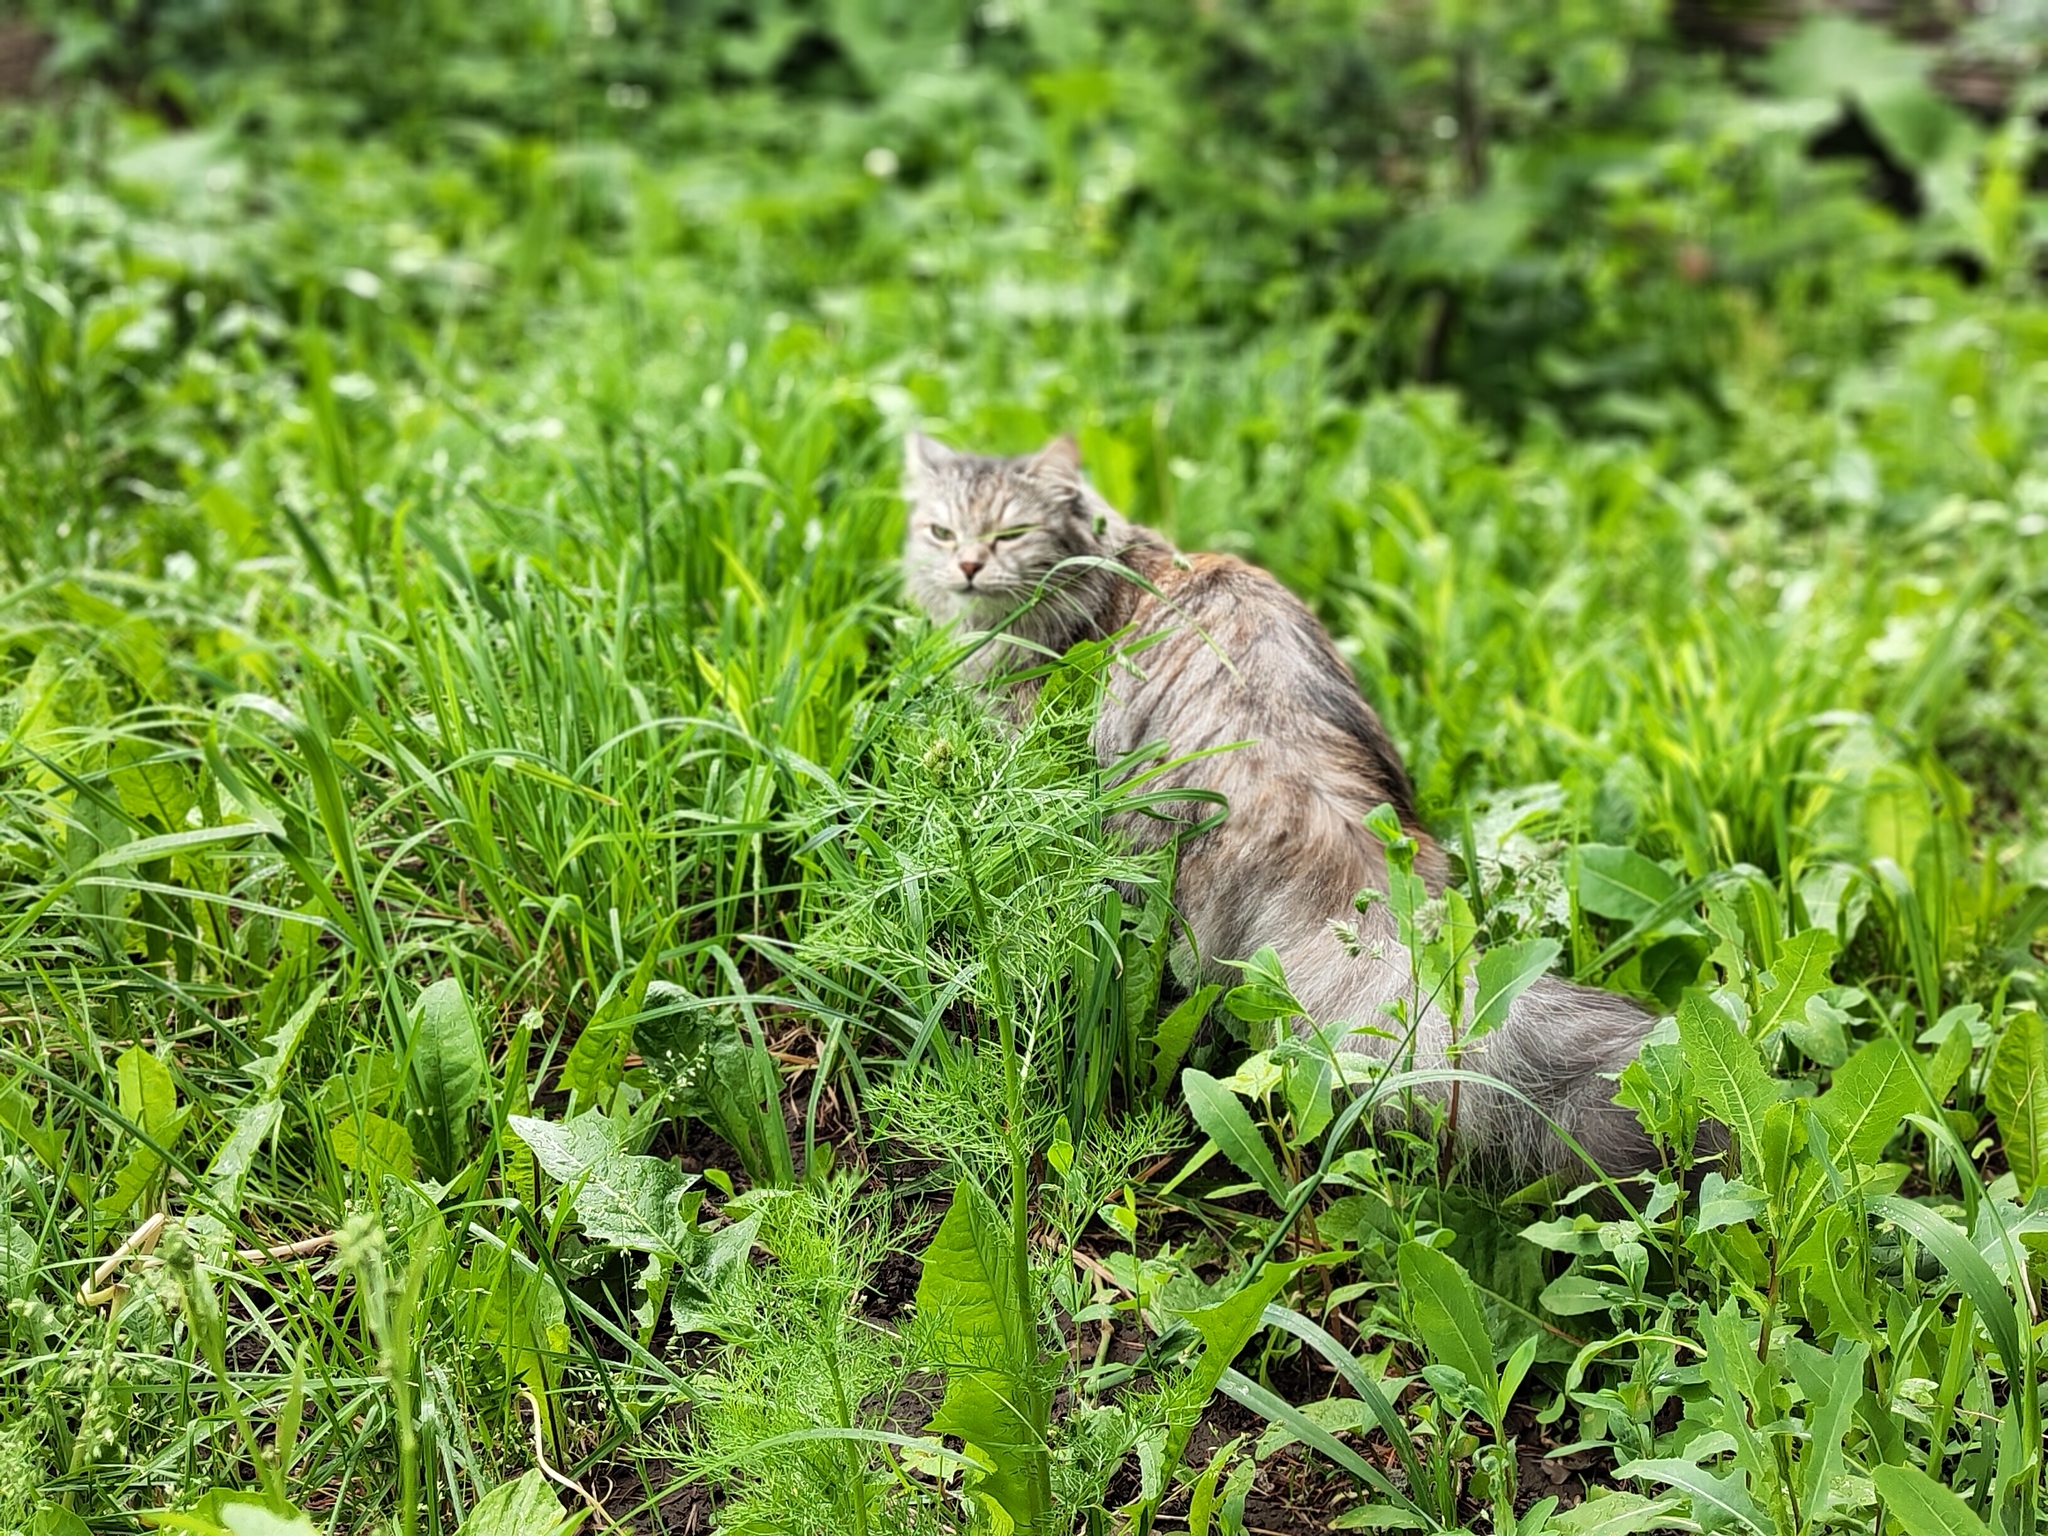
pixel 1026 549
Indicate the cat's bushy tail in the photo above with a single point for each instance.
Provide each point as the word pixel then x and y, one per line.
pixel 1560 1048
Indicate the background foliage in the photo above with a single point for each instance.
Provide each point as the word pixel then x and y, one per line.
pixel 460 748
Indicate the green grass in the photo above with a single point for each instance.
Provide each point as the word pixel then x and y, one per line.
pixel 461 746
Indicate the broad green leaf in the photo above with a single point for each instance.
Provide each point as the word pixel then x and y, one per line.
pixel 1177 1032
pixel 1923 1506
pixel 1800 973
pixel 1739 1388
pixel 520 1314
pixel 1143 947
pixel 524 1506
pixel 1821 1031
pixel 144 1088
pixel 1715 1500
pixel 147 1095
pixel 1449 1323
pixel 55 1520
pixel 2016 1088
pixel 1576 1295
pixel 1725 1069
pixel 226 1512
pixel 18 1120
pixel 1503 974
pixel 1872 1092
pixel 17 1261
pixel 1264 993
pixel 448 1072
pixel 1836 57
pixel 984 1328
pixel 1306 1086
pixel 249 1517
pixel 707 1068
pixel 1616 1512
pixel 1724 1202
pixel 1621 883
pixel 1225 1121
pixel 372 1146
pixel 1381 1517
pixel 150 781
pixel 630 1202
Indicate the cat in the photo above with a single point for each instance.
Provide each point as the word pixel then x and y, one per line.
pixel 1218 654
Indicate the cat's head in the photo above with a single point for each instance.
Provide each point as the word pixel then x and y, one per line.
pixel 986 533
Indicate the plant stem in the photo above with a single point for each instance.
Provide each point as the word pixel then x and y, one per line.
pixel 1036 1408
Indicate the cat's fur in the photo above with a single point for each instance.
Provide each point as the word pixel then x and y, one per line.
pixel 1027 548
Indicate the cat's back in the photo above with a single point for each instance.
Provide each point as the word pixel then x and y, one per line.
pixel 1219 652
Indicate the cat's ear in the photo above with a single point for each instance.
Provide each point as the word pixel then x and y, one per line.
pixel 1058 460
pixel 922 457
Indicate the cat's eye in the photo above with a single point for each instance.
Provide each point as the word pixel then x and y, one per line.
pixel 1004 535
pixel 943 535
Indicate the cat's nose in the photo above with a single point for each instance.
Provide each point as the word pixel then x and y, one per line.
pixel 969 567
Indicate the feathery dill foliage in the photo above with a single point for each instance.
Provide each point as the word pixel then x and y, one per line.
pixel 944 798
pixel 795 1353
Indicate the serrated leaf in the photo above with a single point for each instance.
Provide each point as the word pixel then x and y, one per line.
pixel 597 1061
pixel 18 1120
pixel 1226 1327
pixel 524 1506
pixel 983 1326
pixel 1503 974
pixel 1923 1506
pixel 1725 1069
pixel 1873 1091
pixel 373 1146
pixel 1621 883
pixel 252 1126
pixel 1799 973
pixel 1449 1322
pixel 1836 1274
pixel 1225 1121
pixel 627 1201
pixel 2016 1088
pixel 1833 1384
pixel 150 781
pixel 1177 1032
